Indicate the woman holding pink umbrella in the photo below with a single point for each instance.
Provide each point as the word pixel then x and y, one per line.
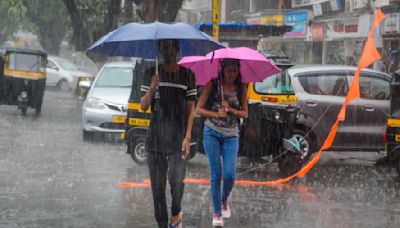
pixel 223 102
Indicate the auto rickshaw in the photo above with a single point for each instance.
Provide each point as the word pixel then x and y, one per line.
pixel 392 136
pixel 270 131
pixel 23 78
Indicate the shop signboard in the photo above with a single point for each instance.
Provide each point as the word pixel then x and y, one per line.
pixel 300 3
pixel 392 23
pixel 276 19
pixel 196 5
pixel 380 3
pixel 317 8
pixel 298 19
pixel 273 20
pixel 355 27
pixel 318 31
pixel 359 4
pixel 255 20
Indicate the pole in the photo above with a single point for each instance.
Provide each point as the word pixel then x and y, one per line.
pixel 216 20
pixel 324 51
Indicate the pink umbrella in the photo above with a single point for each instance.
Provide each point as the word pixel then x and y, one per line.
pixel 254 67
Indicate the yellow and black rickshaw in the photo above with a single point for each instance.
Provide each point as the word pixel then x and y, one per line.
pixel 23 78
pixel 270 131
pixel 392 136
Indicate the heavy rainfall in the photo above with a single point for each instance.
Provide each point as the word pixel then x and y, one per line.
pixel 200 113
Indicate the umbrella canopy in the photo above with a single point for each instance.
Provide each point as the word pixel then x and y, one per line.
pixel 254 67
pixel 140 40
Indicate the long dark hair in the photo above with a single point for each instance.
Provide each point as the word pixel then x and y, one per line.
pixel 238 81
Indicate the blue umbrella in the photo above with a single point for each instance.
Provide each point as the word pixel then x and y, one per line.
pixel 140 40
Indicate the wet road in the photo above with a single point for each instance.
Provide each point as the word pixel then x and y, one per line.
pixel 50 177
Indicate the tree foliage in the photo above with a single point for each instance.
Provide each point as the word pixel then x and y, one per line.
pixel 48 22
pixel 161 10
pixel 12 13
pixel 93 19
pixel 89 20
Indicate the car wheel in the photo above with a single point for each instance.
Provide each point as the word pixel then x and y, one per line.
pixel 307 144
pixel 38 105
pixel 64 86
pixel 87 135
pixel 138 151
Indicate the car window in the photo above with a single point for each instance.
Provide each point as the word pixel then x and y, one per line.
pixel 65 64
pixel 50 64
pixel 115 77
pixel 279 83
pixel 324 84
pixel 374 88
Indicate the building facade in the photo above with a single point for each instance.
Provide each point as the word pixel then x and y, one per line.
pixel 324 31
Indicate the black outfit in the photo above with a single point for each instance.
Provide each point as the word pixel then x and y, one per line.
pixel 165 135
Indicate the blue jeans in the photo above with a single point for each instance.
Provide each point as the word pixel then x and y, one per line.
pixel 216 146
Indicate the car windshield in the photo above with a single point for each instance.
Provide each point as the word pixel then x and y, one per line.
pixel 276 84
pixel 65 64
pixel 25 62
pixel 115 77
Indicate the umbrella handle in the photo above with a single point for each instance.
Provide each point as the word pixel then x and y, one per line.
pixel 156 64
pixel 157 91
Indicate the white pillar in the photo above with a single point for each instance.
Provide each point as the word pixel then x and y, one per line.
pixel 223 11
pixel 253 6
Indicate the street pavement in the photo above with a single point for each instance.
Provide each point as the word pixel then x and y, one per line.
pixel 50 177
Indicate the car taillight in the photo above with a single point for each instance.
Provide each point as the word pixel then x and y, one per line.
pixel 385 135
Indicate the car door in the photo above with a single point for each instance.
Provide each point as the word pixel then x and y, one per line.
pixel 371 111
pixel 52 73
pixel 321 95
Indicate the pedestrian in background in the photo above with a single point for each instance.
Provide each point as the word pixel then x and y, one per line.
pixel 172 95
pixel 394 60
pixel 223 102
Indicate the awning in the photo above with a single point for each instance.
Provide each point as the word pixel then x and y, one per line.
pixel 246 29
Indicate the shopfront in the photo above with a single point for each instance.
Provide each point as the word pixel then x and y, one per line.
pixel 341 40
pixel 293 44
pixel 391 37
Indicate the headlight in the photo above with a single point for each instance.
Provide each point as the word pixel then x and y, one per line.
pixel 277 115
pixel 96 103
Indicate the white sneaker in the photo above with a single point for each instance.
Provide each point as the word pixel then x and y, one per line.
pixel 226 210
pixel 217 220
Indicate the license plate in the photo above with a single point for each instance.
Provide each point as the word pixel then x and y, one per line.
pixel 397 138
pixel 139 122
pixel 119 119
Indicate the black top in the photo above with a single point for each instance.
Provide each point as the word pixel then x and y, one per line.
pixel 168 123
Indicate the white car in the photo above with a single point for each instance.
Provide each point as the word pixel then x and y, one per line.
pixel 64 74
pixel 105 107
